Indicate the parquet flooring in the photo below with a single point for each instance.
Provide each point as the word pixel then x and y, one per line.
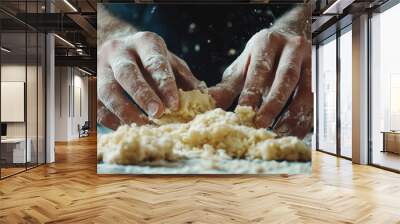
pixel 70 191
pixel 10 171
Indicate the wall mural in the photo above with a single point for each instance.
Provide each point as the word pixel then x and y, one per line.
pixel 204 88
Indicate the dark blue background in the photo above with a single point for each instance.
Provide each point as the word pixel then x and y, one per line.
pixel 219 33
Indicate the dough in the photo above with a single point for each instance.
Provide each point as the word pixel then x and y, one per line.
pixel 134 144
pixel 191 103
pixel 210 132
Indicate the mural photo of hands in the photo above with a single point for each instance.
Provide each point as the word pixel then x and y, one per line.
pixel 164 108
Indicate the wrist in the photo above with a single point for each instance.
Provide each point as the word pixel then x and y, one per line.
pixel 297 22
pixel 110 28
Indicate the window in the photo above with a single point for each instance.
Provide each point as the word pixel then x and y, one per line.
pixel 385 89
pixel 346 93
pixel 327 96
pixel 22 76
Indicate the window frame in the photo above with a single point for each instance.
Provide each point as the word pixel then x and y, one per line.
pixel 337 34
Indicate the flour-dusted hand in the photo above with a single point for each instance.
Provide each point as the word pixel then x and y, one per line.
pixel 273 71
pixel 139 71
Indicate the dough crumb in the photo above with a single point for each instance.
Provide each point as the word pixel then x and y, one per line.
pixel 134 144
pixel 246 115
pixel 199 131
pixel 191 103
pixel 285 148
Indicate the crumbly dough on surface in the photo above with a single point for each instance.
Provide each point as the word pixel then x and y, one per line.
pixel 208 166
pixel 214 133
pixel 191 103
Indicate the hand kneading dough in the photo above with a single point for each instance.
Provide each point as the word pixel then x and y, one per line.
pixel 211 130
pixel 191 103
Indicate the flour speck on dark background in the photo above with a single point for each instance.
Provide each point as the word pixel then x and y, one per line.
pixel 208 37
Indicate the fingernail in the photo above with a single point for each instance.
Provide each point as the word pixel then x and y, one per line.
pixel 282 129
pixel 262 121
pixel 152 108
pixel 173 103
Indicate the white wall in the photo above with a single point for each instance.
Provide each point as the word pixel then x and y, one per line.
pixel 16 73
pixel 79 117
pixel 11 73
pixel 69 82
pixel 61 103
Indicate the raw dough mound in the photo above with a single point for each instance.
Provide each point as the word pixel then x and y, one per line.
pixel 191 103
pixel 134 144
pixel 286 148
pixel 211 132
pixel 218 129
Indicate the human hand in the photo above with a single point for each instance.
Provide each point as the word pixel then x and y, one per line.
pixel 138 71
pixel 272 73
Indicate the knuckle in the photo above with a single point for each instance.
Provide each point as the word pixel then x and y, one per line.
pixel 108 48
pixel 143 35
pixel 290 71
pixel 274 36
pixel 124 69
pixel 142 94
pixel 261 34
pixel 101 115
pixel 271 36
pixel 251 92
pixel 277 99
pixel 265 38
pixel 262 65
pixel 105 92
pixel 232 71
pixel 166 82
pixel 299 41
pixel 102 92
pixel 114 43
pixel 254 90
pixel 223 89
pixel 155 62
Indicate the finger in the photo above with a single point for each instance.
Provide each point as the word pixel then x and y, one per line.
pixel 113 97
pixel 106 118
pixel 286 80
pixel 184 77
pixel 154 58
pixel 128 75
pixel 225 92
pixel 260 72
pixel 298 119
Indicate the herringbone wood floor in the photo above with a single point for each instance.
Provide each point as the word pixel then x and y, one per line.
pixel 70 191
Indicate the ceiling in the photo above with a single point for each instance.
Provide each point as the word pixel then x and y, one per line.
pixel 332 15
pixel 75 22
pixel 72 20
